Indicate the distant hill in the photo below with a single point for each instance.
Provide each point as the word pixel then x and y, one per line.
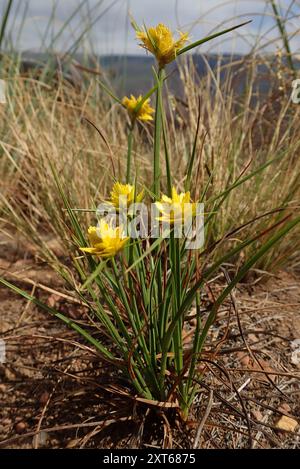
pixel 133 74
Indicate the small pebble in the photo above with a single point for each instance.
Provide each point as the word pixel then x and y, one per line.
pixel 41 439
pixel 20 427
pixel 287 423
pixel 257 415
pixel 285 408
pixel 44 398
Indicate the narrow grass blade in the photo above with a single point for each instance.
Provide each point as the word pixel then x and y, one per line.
pixel 209 38
pixel 240 275
pixel 95 274
pixel 5 20
pixel 242 272
pixel 146 253
pixel 60 316
pixel 284 36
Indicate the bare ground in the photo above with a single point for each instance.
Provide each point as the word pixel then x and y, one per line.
pixel 56 393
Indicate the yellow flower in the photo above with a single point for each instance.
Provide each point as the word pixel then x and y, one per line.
pixel 177 208
pixel 145 111
pixel 123 195
pixel 105 240
pixel 160 42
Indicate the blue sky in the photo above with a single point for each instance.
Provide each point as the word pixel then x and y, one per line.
pixel 111 32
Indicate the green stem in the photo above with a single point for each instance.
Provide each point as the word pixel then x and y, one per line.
pixel 167 155
pixel 177 302
pixel 176 340
pixel 4 21
pixel 139 382
pixel 129 153
pixel 284 36
pixel 157 134
pixel 191 388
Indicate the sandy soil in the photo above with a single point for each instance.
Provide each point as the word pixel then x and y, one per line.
pixel 56 393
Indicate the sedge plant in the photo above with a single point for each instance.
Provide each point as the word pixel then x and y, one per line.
pixel 142 285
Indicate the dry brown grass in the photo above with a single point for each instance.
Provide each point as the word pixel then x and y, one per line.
pixel 44 123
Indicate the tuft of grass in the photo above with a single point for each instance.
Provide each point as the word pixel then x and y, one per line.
pixel 223 146
pixel 228 136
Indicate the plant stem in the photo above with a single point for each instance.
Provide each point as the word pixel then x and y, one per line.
pixel 4 21
pixel 157 134
pixel 129 153
pixel 284 36
pixel 177 301
pixel 191 387
pixel 167 156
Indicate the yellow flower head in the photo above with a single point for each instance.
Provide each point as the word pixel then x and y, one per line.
pixel 160 42
pixel 123 195
pixel 105 240
pixel 143 112
pixel 177 208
